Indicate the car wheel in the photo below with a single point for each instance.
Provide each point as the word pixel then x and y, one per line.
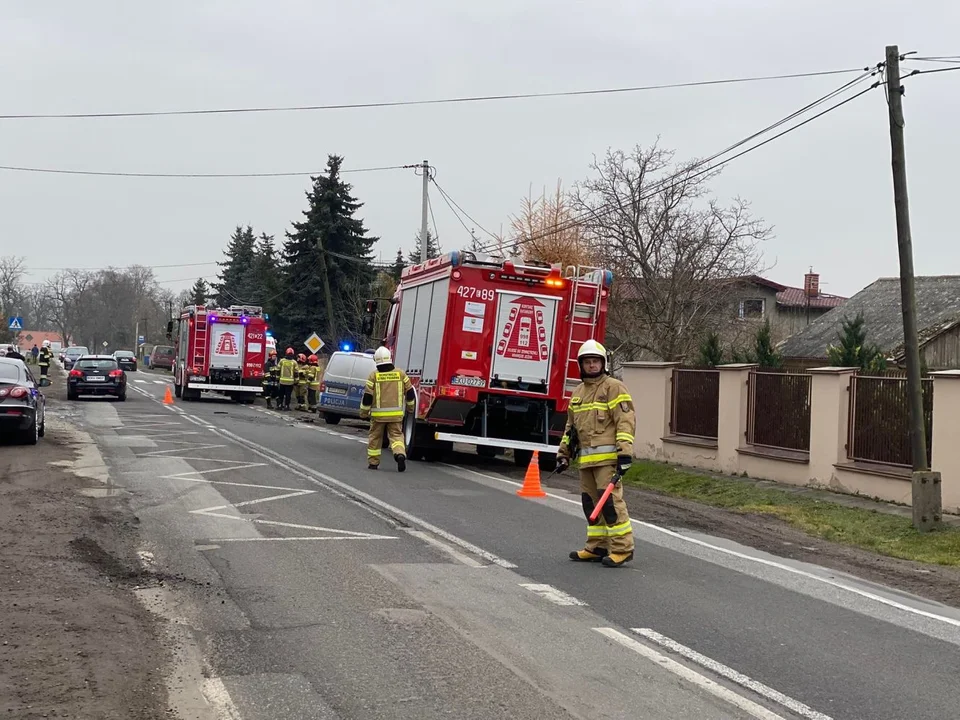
pixel 331 419
pixel 71 395
pixel 122 396
pixel 29 437
pixel 43 428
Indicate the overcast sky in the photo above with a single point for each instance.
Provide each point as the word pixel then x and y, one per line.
pixel 825 188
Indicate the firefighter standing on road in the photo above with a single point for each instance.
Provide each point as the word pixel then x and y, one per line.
pixel 301 382
pixel 314 375
pixel 387 392
pixel 44 359
pixel 602 414
pixel 288 377
pixel 271 379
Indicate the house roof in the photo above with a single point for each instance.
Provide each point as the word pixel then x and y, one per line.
pixel 27 338
pixel 796 297
pixel 938 302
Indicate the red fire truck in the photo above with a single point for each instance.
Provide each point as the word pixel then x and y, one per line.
pixel 490 345
pixel 219 350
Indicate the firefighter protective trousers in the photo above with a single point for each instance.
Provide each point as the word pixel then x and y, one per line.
pixel 602 412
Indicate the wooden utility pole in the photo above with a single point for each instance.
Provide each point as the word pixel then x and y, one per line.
pixel 926 485
pixel 331 324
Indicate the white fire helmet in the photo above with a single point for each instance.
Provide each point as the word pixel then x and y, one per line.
pixel 382 356
pixel 46 343
pixel 591 348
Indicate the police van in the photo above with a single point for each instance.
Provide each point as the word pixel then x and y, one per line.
pixel 342 385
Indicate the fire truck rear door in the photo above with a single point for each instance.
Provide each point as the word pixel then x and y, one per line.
pixel 226 346
pixel 523 340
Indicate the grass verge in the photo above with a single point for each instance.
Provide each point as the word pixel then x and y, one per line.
pixel 891 535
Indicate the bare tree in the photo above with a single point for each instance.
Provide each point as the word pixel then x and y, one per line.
pixel 12 270
pixel 675 252
pixel 548 232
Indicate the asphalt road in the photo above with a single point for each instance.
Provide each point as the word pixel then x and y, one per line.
pixel 342 593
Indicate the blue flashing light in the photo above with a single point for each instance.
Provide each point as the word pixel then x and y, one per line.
pixel 211 318
pixel 269 334
pixel 346 347
pixel 455 258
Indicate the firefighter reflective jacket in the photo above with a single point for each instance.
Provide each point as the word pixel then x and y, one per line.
pixel 388 390
pixel 272 375
pixel 288 371
pixel 314 375
pixel 602 412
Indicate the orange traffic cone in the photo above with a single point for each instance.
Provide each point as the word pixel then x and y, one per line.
pixel 168 397
pixel 531 481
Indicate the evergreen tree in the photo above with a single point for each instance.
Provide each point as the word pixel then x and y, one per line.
pixel 433 248
pixel 763 349
pixel 711 354
pixel 398 265
pixel 236 282
pixel 199 292
pixel 328 221
pixel 265 274
pixel 853 350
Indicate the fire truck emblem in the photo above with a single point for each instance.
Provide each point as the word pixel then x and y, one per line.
pixel 524 332
pixel 227 345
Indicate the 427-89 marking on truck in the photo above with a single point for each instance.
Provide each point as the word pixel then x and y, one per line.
pixel 477 293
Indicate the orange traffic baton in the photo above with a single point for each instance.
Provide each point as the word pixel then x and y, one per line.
pixel 603 498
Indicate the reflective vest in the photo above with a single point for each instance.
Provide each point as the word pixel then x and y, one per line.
pixel 288 371
pixel 388 390
pixel 44 358
pixel 313 377
pixel 602 412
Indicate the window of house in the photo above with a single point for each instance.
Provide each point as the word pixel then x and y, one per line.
pixel 752 308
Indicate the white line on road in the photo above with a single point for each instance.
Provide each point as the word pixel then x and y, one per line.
pixel 720 669
pixel 352 535
pixel 743 556
pixel 159 382
pixel 692 676
pixel 451 551
pixel 216 694
pixel 549 592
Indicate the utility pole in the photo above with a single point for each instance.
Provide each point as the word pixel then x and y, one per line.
pixel 926 485
pixel 425 167
pixel 331 325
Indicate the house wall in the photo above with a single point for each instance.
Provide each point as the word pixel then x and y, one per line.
pixel 791 320
pixel 943 352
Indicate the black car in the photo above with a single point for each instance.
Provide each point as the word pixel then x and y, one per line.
pixel 126 359
pixel 22 404
pixel 96 375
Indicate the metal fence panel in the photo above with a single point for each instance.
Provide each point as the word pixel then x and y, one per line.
pixel 879 420
pixel 778 412
pixel 695 408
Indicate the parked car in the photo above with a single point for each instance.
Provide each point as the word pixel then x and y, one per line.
pixel 161 357
pixel 71 354
pixel 97 375
pixel 126 360
pixel 341 388
pixel 22 404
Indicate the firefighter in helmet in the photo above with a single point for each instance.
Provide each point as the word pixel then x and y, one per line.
pixel 387 392
pixel 288 378
pixel 314 375
pixel 271 379
pixel 601 417
pixel 301 386
pixel 44 359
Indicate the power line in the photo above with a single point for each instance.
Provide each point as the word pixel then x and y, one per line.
pixel 439 101
pixel 99 173
pixel 686 174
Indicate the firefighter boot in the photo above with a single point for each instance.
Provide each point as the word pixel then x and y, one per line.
pixel 617 559
pixel 596 555
pixel 401 462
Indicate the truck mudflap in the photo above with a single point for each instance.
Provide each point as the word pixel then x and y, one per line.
pixel 497 442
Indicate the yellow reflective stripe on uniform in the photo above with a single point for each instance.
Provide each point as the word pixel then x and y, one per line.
pixel 623 397
pixel 397 446
pixel 598 449
pixel 596 459
pixel 626 437
pixel 373 453
pixel 603 405
pixel 595 531
pixel 624 528
pixel 387 412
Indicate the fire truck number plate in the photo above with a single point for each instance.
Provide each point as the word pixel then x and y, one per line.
pixel 478 293
pixel 468 380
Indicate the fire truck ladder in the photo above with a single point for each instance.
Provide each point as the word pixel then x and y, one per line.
pixel 199 340
pixel 584 317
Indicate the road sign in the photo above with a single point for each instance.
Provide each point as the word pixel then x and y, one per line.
pixel 314 343
pixel 140 339
pixel 105 343
pixel 15 323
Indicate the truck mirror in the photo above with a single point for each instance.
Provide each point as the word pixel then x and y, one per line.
pixel 366 327
pixel 169 328
pixel 371 307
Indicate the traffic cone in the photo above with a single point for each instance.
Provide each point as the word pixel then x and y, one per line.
pixel 168 397
pixel 531 481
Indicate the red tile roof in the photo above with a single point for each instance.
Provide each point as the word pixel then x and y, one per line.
pixel 36 336
pixel 795 297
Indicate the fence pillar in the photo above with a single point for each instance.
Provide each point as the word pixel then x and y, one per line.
pixel 946 450
pixel 650 388
pixel 732 425
pixel 829 420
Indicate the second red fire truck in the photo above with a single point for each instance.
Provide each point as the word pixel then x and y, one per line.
pixel 490 345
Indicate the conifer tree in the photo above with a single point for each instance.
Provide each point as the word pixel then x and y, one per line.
pixel 199 292
pixel 763 351
pixel 711 354
pixel 433 248
pixel 853 350
pixel 235 281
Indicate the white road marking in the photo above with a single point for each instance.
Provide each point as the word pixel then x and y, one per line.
pixel 692 676
pixel 549 592
pixel 138 380
pixel 743 556
pixel 349 534
pixel 146 559
pixel 216 694
pixel 720 669
pixel 452 552
pixel 301 539
pixel 159 382
pixel 296 493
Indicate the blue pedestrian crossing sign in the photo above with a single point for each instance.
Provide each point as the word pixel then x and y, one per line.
pixel 15 323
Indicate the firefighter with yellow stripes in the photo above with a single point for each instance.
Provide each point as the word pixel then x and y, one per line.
pixel 601 416
pixel 288 378
pixel 387 393
pixel 302 382
pixel 314 376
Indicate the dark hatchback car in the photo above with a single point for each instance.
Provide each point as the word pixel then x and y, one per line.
pixel 126 360
pixel 97 375
pixel 22 404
